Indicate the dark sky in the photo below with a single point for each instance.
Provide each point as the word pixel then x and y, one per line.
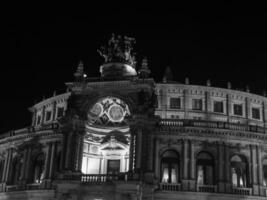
pixel 223 43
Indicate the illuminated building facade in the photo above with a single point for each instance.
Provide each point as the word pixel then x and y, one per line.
pixel 123 136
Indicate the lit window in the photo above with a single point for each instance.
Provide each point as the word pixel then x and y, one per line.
pixel 60 112
pixel 218 106
pixel 196 104
pixel 175 103
pixel 205 169
pixel 239 170
pixel 238 109
pixel 48 115
pixel 255 113
pixel 170 167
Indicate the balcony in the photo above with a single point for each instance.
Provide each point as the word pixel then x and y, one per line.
pixel 242 191
pixel 169 124
pixel 102 178
pixel 207 188
pixel 170 187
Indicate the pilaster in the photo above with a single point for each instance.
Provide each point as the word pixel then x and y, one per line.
pixel 192 183
pixel 186 103
pixel 221 166
pixel 254 170
pixel 228 106
pixel 185 178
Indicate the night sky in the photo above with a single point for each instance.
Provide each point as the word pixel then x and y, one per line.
pixel 42 48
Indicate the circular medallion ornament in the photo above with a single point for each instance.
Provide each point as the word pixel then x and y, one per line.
pixel 109 111
pixel 116 113
pixel 97 109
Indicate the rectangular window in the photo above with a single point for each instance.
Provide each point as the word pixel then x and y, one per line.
pixel 255 113
pixel 48 115
pixel 60 112
pixel 238 109
pixel 196 104
pixel 218 106
pixel 175 103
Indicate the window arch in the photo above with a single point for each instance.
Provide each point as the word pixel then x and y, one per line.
pixel 239 171
pixel 15 170
pixel 38 168
pixel 170 167
pixel 264 173
pixel 205 169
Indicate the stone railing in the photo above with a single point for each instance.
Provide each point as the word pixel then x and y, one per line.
pixel 207 188
pixel 169 123
pixel 102 178
pixel 170 187
pixel 242 191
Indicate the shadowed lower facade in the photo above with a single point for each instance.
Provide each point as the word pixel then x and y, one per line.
pixel 123 136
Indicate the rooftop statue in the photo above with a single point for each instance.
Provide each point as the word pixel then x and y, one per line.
pixel 119 49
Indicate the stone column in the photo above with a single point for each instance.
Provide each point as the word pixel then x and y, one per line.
pixel 254 170
pixel 139 149
pixel 259 158
pixel 156 159
pixel 52 160
pixel 192 184
pixel 185 166
pixel 207 104
pixel 47 160
pixel 132 152
pixel 227 169
pixel 150 153
pixel 186 103
pixel 43 115
pixel 54 111
pixel 79 156
pixel 248 109
pixel 229 106
pixel 221 166
pixel 164 103
pixel 264 114
pixel 7 165
pixel 34 113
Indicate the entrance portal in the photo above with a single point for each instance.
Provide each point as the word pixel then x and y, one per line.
pixel 113 166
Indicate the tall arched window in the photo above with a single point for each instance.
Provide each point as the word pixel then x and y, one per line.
pixel 15 170
pixel 38 168
pixel 264 168
pixel 170 167
pixel 239 171
pixel 205 169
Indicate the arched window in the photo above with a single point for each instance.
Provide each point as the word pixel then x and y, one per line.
pixel 38 168
pixel 205 169
pixel 15 170
pixel 170 167
pixel 264 168
pixel 239 171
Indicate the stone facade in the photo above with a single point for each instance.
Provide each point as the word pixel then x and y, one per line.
pixel 123 136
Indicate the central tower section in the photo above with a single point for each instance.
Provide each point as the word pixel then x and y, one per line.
pixel 109 118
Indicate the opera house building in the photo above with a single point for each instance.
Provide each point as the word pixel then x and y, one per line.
pixel 124 136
